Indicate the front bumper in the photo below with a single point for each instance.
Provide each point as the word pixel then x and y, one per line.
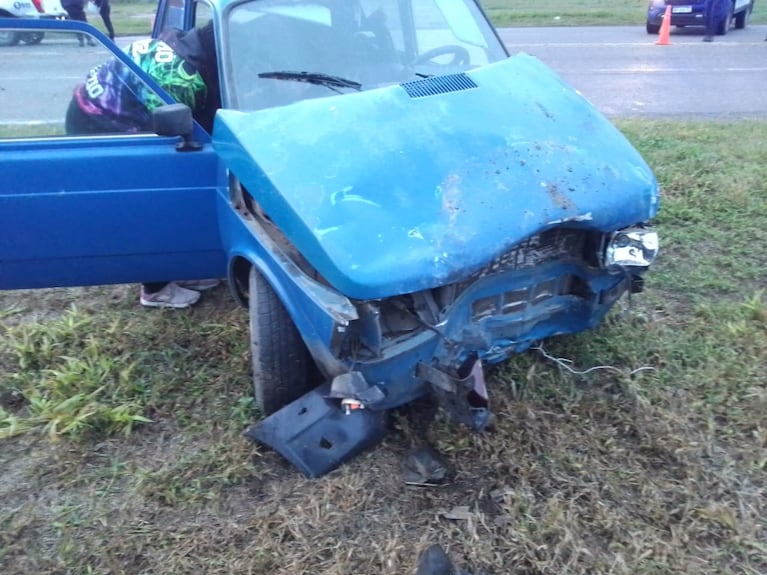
pixel 496 317
pixel 655 18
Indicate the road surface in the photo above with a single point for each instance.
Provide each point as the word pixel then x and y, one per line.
pixel 624 73
pixel 621 70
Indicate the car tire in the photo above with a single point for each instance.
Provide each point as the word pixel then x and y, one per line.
pixel 652 28
pixel 724 25
pixel 281 362
pixel 9 38
pixel 741 19
pixel 32 38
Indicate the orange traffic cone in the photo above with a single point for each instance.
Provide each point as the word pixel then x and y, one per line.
pixel 665 29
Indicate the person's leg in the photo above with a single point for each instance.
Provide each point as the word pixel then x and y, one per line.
pixel 72 13
pixel 77 12
pixel 167 294
pixel 105 11
pixel 153 287
pixel 199 285
pixel 708 18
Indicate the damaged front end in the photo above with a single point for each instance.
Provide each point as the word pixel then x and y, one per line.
pixel 437 341
pixel 461 231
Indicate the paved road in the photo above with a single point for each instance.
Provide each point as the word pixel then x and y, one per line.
pixel 623 72
pixel 36 82
pixel 620 69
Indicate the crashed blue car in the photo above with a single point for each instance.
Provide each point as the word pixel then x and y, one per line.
pixel 396 200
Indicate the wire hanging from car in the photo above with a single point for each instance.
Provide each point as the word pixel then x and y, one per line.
pixel 565 363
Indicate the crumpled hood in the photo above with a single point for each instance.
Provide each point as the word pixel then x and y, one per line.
pixel 396 190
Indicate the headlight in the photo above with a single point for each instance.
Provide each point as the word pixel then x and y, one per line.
pixel 631 247
pixel 657 3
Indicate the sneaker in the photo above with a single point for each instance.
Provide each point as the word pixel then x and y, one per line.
pixel 172 296
pixel 199 285
pixel 91 41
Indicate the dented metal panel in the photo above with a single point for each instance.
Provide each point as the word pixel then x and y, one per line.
pixel 385 193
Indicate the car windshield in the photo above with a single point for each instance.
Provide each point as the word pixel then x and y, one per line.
pixel 282 51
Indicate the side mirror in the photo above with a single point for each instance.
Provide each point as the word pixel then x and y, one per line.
pixel 176 120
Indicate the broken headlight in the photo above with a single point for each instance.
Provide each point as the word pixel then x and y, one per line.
pixel 631 247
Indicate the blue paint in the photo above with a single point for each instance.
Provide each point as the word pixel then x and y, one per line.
pixel 387 194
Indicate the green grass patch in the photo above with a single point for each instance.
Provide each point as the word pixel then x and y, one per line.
pixel 579 13
pixel 128 18
pixel 88 376
pixel 43 129
pixel 712 209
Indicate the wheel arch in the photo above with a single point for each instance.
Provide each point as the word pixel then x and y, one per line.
pixel 321 328
pixel 239 270
pixel 239 278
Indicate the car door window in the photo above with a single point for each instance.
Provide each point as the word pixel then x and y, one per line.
pixel 174 14
pixel 96 209
pixel 387 12
pixel 33 108
pixel 170 14
pixel 455 30
pixel 203 13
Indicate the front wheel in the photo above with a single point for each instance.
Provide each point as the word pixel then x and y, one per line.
pixel 741 19
pixel 652 28
pixel 9 38
pixel 32 38
pixel 724 25
pixel 282 367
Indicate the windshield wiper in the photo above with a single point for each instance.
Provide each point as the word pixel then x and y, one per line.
pixel 332 82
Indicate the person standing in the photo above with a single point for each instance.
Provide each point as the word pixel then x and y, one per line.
pixel 105 11
pixel 714 12
pixel 113 99
pixel 76 11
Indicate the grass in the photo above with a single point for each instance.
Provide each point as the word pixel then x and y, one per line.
pixel 135 18
pixel 579 13
pixel 32 130
pixel 126 425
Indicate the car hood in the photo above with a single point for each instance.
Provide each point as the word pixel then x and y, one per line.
pixel 417 185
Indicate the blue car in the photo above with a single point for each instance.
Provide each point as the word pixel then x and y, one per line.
pixel 691 13
pixel 395 199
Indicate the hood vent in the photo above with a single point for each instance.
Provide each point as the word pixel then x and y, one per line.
pixel 438 85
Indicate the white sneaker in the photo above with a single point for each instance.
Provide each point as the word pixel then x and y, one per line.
pixel 172 296
pixel 199 285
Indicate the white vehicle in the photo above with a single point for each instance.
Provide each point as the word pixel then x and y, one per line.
pixel 28 9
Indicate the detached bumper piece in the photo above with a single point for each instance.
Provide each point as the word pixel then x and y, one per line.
pixel 316 435
pixel 463 394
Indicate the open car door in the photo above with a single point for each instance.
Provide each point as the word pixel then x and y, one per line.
pixel 89 210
